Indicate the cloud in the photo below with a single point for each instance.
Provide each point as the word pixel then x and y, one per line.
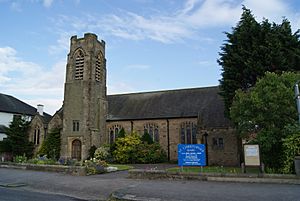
pixel 50 105
pixel 16 6
pixel 47 3
pixel 186 22
pixel 28 79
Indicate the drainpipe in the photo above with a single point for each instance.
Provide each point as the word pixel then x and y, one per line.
pixel 206 147
pixel 297 96
pixel 131 122
pixel 168 138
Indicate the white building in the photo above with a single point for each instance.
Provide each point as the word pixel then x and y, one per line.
pixel 11 107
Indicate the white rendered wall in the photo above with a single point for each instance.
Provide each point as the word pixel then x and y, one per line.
pixel 6 118
pixel 2 135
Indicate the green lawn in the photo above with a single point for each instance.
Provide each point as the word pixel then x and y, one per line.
pixel 213 169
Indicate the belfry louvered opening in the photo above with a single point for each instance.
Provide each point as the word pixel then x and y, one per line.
pixel 79 65
pixel 98 68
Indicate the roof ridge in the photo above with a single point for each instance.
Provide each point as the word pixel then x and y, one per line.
pixel 167 90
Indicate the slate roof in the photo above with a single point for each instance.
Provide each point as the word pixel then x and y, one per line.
pixel 13 105
pixel 205 102
pixel 2 128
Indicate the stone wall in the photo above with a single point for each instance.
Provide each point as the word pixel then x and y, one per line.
pixel 169 138
pixel 55 122
pixel 228 155
pixel 37 124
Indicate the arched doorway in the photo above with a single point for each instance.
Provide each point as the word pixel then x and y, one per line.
pixel 76 149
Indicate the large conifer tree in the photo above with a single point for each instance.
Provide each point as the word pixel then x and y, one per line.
pixel 18 139
pixel 254 48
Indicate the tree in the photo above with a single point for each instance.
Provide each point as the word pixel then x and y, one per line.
pixel 121 133
pixel 146 138
pixel 18 137
pixel 251 50
pixel 291 145
pixel 265 110
pixel 51 145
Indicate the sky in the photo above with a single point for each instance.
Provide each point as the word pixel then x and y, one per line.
pixel 150 44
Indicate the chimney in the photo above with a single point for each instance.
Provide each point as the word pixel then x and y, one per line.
pixel 40 109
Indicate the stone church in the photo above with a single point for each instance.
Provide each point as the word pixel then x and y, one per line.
pixel 91 117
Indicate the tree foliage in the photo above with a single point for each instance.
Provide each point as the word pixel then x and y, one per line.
pixel 265 110
pixel 146 138
pixel 51 145
pixel 291 145
pixel 252 49
pixel 127 148
pixel 18 138
pixel 131 149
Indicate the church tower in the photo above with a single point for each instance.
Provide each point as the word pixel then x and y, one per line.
pixel 85 100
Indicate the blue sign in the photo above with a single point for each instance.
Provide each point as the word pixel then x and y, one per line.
pixel 191 155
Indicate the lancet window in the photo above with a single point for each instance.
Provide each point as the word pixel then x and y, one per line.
pixel 113 133
pixel 152 130
pixel 188 132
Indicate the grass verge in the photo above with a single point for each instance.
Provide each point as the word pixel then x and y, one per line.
pixel 212 169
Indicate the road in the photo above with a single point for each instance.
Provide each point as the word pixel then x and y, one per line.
pixel 99 187
pixel 15 194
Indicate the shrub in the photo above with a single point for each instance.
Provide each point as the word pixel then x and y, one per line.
pixel 102 153
pixel 121 133
pixel 69 162
pixel 151 153
pixel 94 166
pixel 42 160
pixel 146 138
pixel 92 151
pixel 291 145
pixel 131 149
pixel 20 159
pixel 51 145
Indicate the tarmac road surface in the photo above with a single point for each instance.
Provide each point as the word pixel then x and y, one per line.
pixel 25 183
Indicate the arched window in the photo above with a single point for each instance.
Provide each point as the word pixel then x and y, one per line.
pixel 79 65
pixel 36 136
pixel 152 130
pixel 188 132
pixel 99 67
pixel 113 132
pixel 76 149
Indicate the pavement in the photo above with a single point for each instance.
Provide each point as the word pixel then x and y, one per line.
pixel 118 187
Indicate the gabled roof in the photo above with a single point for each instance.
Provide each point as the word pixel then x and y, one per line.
pixel 203 102
pixel 13 105
pixel 45 118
